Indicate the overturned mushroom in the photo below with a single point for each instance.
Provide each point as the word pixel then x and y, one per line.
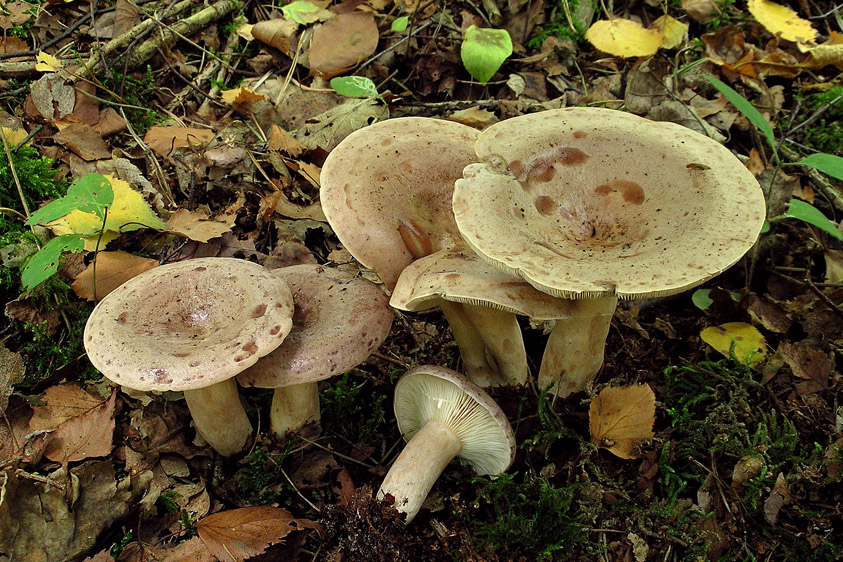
pixel 443 415
pixel 339 320
pixel 589 203
pixel 192 326
pixel 387 190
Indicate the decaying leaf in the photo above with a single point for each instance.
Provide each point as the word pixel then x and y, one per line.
pixel 277 33
pixel 165 140
pixel 46 62
pixel 781 20
pixel 238 534
pixel 343 42
pixel 196 226
pixel 11 372
pixel 327 129
pixel 240 95
pixel 749 345
pixel 82 424
pixel 621 417
pixel 810 364
pixel 779 496
pixel 112 270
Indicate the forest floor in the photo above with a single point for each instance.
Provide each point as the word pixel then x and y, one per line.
pixel 224 127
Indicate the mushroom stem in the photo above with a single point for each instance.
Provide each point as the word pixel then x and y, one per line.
pixel 293 407
pixel 503 345
pixel 219 416
pixel 419 465
pixel 574 351
pixel 470 343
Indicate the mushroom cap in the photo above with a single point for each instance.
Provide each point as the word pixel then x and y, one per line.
pixel 430 392
pixel 459 275
pixel 588 202
pixel 188 325
pixel 339 320
pixel 393 176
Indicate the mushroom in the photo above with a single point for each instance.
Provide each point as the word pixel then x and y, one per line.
pixel 339 320
pixel 442 415
pixel 386 191
pixel 590 203
pixel 486 299
pixel 192 326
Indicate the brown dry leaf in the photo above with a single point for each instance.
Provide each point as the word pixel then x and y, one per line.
pixel 165 140
pixel 277 33
pixel 82 424
pixel 19 12
pixel 12 44
pixel 810 364
pixel 83 141
pixel 240 95
pixel 238 534
pixel 196 226
pixel 287 208
pixel 829 52
pixel 327 129
pixel 282 141
pixel 112 269
pixel 12 371
pixel 779 496
pixel 474 117
pixel 342 43
pixel 833 266
pixel 193 550
pixel 622 416
pixel 126 16
pixel 50 98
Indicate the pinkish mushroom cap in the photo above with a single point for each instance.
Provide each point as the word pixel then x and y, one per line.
pixel 588 202
pixel 188 325
pixel 339 320
pixel 387 188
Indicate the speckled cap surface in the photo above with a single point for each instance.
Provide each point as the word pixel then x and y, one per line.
pixel 188 325
pixel 393 176
pixel 339 320
pixel 431 392
pixel 459 275
pixel 589 202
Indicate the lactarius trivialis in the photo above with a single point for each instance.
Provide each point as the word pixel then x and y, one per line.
pixel 443 415
pixel 593 205
pixel 192 326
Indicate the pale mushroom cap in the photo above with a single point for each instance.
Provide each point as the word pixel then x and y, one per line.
pixel 339 321
pixel 588 202
pixel 188 325
pixel 393 172
pixel 459 275
pixel 430 392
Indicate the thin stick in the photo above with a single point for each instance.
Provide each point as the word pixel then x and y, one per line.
pixel 14 172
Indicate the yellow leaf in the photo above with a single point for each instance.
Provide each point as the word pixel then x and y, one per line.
pixel 828 53
pixel 749 344
pixel 778 19
pixel 128 212
pixel 46 63
pixel 240 95
pixel 621 417
pixel 673 31
pixel 13 136
pixel 624 38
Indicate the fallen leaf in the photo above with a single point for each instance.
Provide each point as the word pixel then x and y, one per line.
pixel 749 344
pixel 703 11
pixel 83 141
pixel 810 364
pixel 833 266
pixel 673 31
pixel 624 38
pixel 781 20
pixel 165 140
pixel 779 496
pixel 240 95
pixel 304 12
pixel 622 416
pixel 828 53
pixel 112 270
pixel 238 534
pixel 282 141
pixel 46 62
pixel 327 129
pixel 474 117
pixel 196 226
pixel 277 33
pixel 343 42
pixel 746 468
pixel 51 98
pixel 82 424
pixel 12 371
pixel 18 13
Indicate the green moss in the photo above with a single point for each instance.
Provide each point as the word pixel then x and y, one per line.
pixel 134 89
pixel 531 517
pixel 262 480
pixel 825 134
pixel 353 409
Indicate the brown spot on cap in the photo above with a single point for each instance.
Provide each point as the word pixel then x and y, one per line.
pixel 629 190
pixel 259 311
pixel 545 205
pixel 123 317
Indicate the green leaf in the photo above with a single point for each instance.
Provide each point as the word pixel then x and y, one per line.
pixel 810 214
pixel 299 11
pixel 91 193
pixel 701 299
pixel 354 87
pixel 748 110
pixel 484 50
pixel 400 24
pixel 828 164
pixel 45 262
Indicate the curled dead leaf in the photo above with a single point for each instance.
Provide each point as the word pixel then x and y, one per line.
pixel 621 417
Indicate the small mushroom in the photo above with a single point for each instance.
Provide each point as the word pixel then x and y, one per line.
pixel 339 320
pixel 386 191
pixel 442 415
pixel 192 326
pixel 479 300
pixel 591 203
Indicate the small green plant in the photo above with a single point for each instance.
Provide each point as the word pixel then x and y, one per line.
pixel 563 23
pixel 118 547
pixel 531 516
pixel 262 480
pixel 826 133
pixel 356 87
pixel 484 50
pixel 353 409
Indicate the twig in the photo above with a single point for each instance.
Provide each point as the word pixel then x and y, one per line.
pixel 14 172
